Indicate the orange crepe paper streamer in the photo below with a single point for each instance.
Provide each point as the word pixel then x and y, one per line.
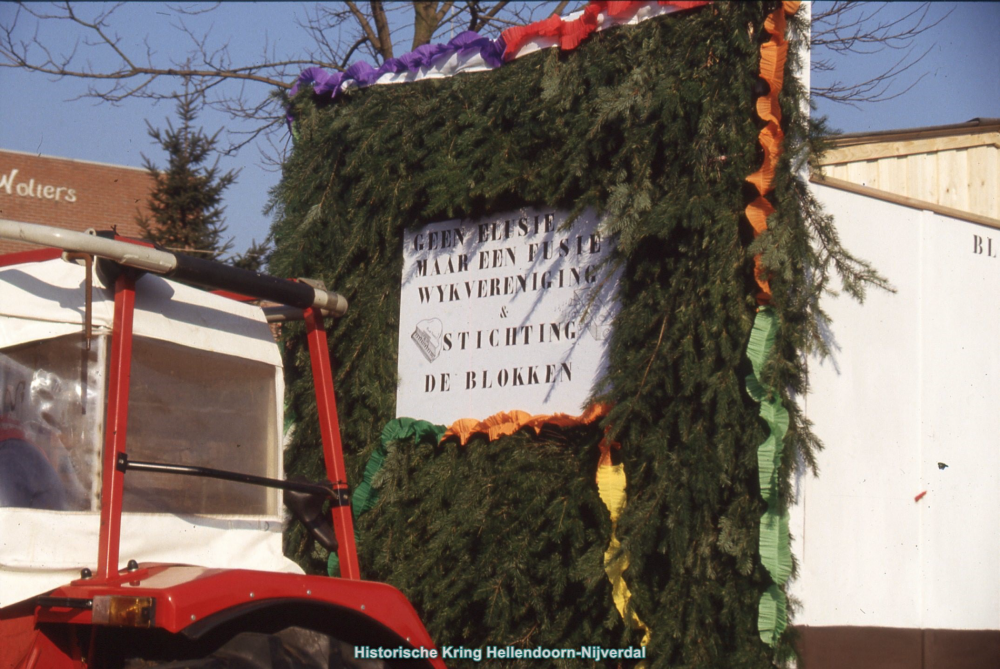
pixel 773 55
pixel 508 422
pixel 605 448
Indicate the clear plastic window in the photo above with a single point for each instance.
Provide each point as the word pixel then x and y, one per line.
pixel 51 423
pixel 205 409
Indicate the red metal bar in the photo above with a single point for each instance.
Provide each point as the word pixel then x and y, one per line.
pixel 115 427
pixel 329 425
pixel 239 297
pixel 35 255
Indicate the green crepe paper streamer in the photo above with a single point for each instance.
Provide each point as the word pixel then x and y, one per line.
pixel 365 497
pixel 772 615
pixel 775 549
pixel 774 544
pixel 762 338
pixel 769 453
pixel 411 428
pixel 398 429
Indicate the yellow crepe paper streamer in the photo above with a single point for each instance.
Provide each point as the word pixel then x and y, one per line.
pixel 611 487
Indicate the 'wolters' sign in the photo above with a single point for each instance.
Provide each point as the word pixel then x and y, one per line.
pixel 508 312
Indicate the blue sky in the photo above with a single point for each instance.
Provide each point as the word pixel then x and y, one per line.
pixel 961 73
pixel 961 81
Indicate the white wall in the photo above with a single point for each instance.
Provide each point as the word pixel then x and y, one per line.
pixel 914 380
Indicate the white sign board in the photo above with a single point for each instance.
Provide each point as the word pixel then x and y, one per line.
pixel 510 312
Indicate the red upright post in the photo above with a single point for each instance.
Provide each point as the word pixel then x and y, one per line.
pixel 115 427
pixel 333 454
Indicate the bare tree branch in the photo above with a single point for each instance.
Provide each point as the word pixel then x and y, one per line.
pixel 365 25
pixel 490 15
pixel 425 22
pixel 382 26
pixel 559 8
pixel 842 28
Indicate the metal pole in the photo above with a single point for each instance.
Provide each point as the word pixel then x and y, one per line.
pixel 333 454
pixel 199 271
pixel 115 427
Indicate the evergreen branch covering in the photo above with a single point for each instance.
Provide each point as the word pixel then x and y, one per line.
pixel 365 496
pixel 398 429
pixel 503 542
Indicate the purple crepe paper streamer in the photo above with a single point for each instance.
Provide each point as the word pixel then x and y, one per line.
pixel 328 84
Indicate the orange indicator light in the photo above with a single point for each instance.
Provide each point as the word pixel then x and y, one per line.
pixel 118 611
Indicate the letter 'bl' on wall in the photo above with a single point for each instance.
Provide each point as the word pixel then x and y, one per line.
pixel 508 312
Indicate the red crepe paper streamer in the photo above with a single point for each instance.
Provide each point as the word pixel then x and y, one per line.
pixel 571 33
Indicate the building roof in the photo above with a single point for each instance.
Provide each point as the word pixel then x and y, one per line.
pixel 953 170
pixel 974 127
pixel 46 156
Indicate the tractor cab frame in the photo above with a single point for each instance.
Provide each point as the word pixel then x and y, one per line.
pixel 152 612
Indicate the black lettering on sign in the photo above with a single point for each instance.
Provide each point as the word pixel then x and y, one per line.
pixel 441 383
pixel 518 376
pixel 983 246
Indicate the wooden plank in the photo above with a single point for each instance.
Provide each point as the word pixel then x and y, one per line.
pixel 892 175
pixel 953 179
pixel 863 173
pixel 993 181
pixel 977 182
pixel 835 171
pixel 984 181
pixel 876 150
pixel 921 172
pixel 914 176
pixel 905 201
pixel 976 126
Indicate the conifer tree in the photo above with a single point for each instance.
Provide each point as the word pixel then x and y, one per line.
pixel 185 207
pixel 254 258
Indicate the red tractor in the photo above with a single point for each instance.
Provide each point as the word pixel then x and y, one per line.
pixel 141 485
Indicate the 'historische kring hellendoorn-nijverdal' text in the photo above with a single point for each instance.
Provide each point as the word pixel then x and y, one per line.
pixel 498 653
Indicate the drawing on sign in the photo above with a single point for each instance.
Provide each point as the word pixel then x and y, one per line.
pixel 599 323
pixel 509 312
pixel 427 337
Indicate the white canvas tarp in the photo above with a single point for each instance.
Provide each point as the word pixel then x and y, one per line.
pixel 38 300
pixel 42 549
